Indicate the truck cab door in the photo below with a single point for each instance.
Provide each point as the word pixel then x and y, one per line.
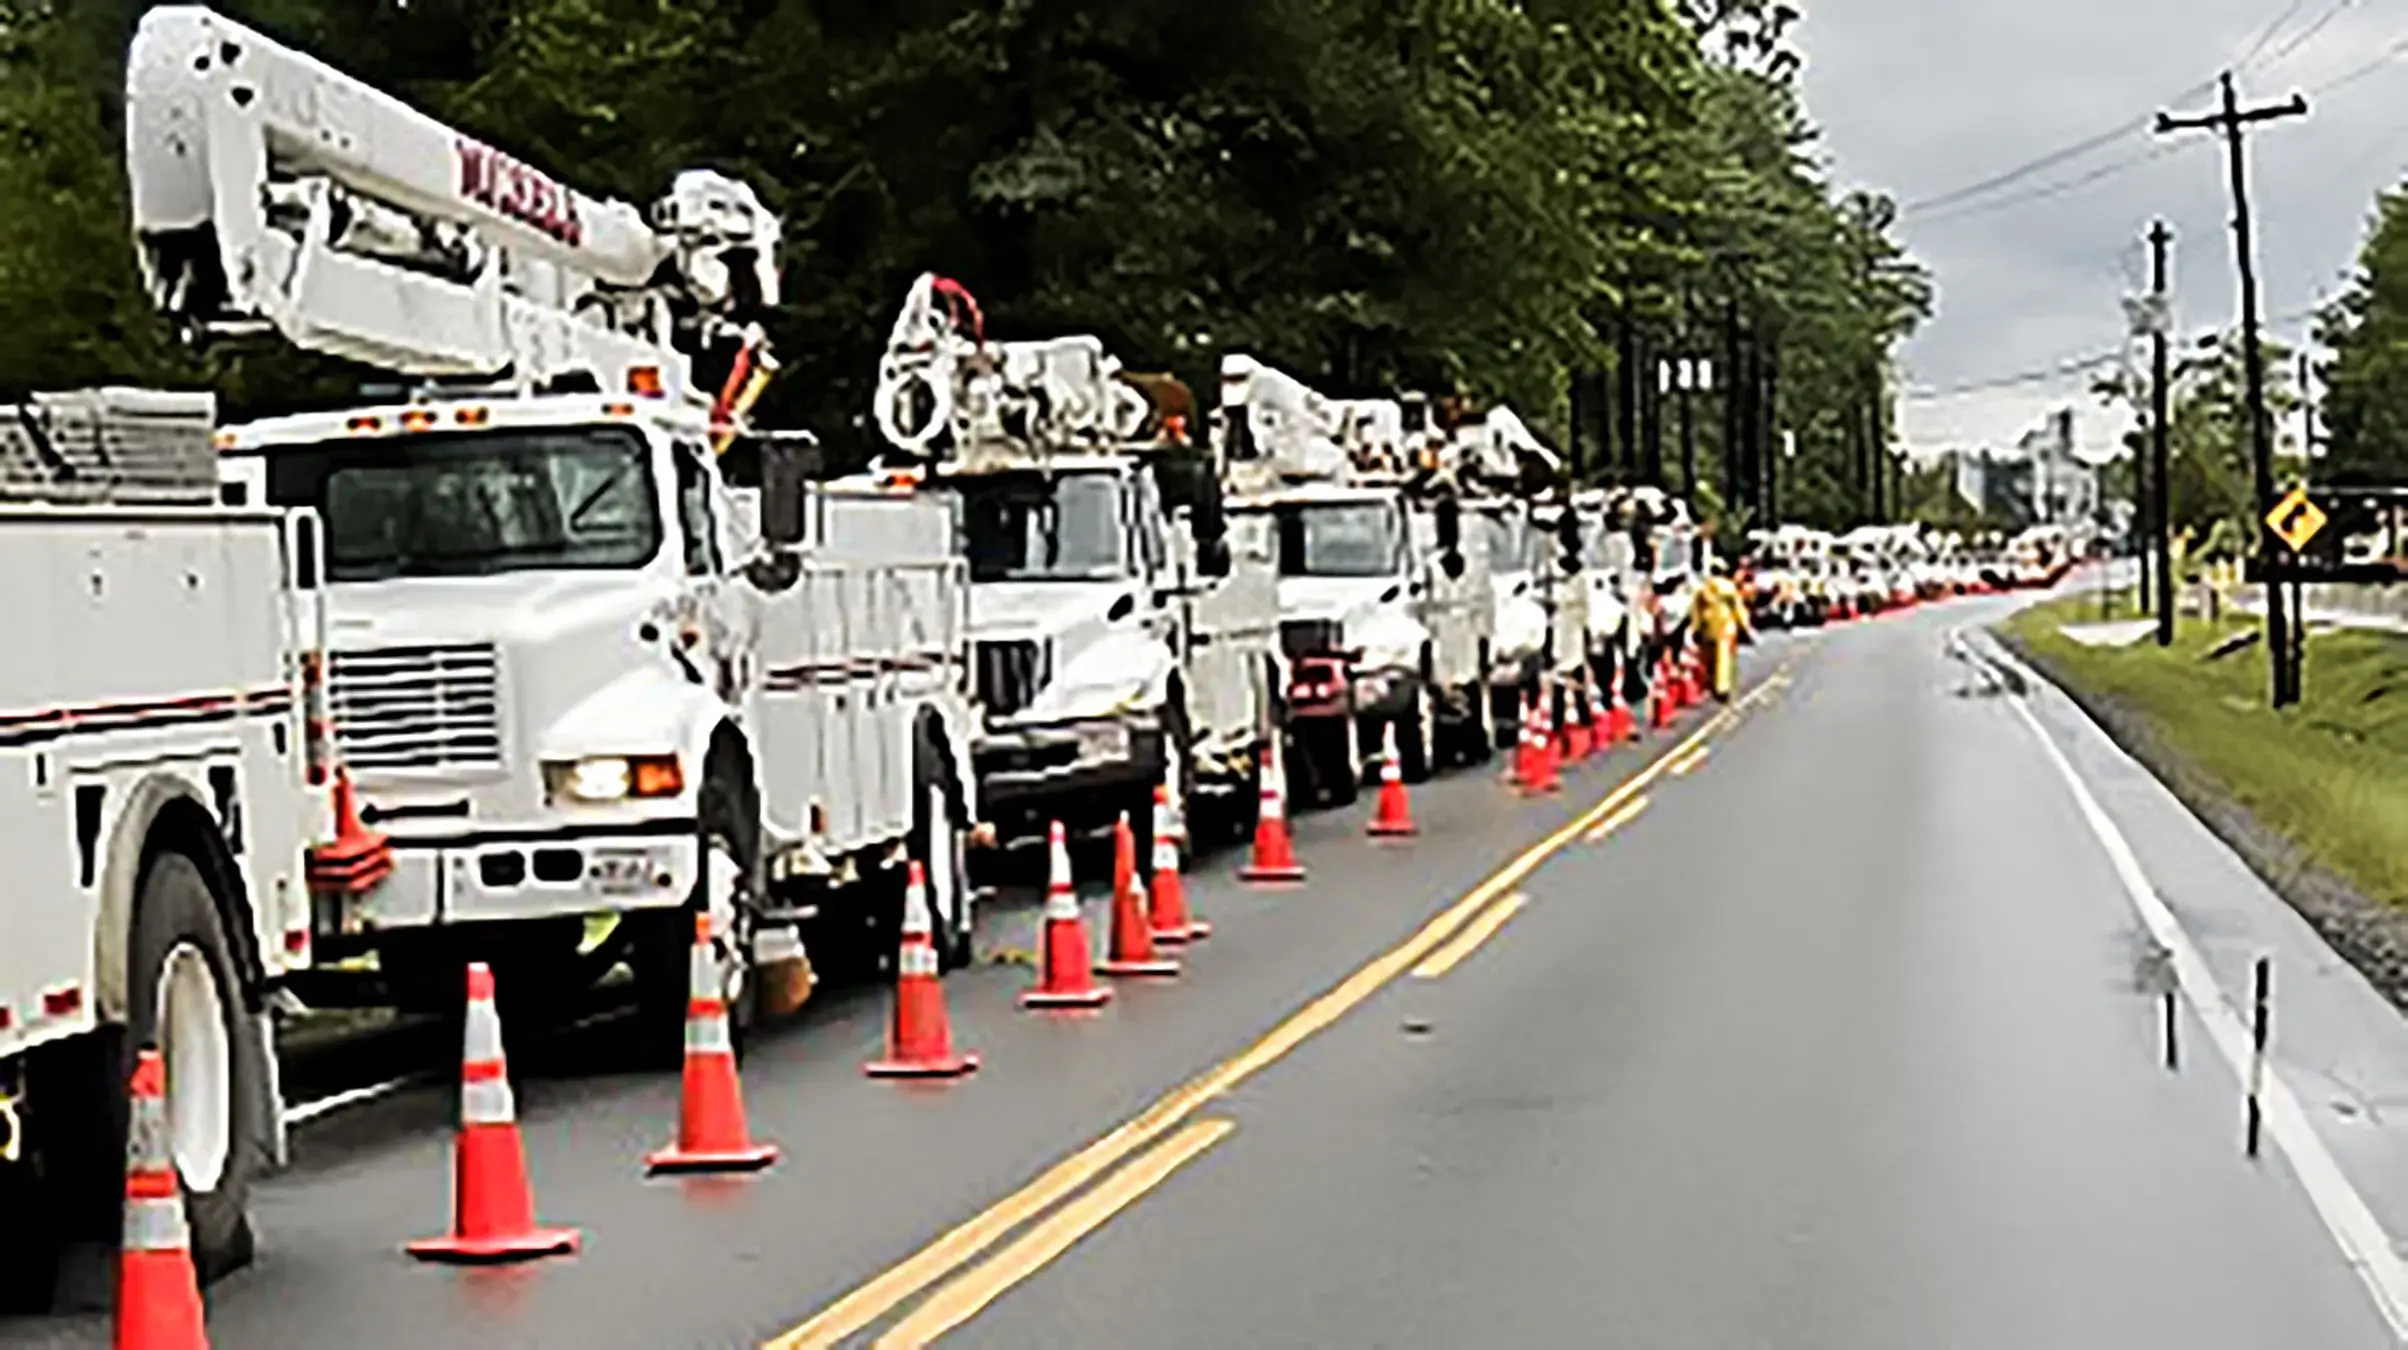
pixel 713 630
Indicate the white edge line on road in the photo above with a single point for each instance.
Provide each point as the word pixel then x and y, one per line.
pixel 2360 1235
pixel 301 1113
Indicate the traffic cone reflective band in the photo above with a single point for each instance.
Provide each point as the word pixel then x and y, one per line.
pixel 493 1210
pixel 1620 726
pixel 1580 723
pixel 1066 974
pixel 710 1102
pixel 1274 858
pixel 919 1038
pixel 1132 940
pixel 1542 779
pixel 1659 696
pixel 358 859
pixel 1393 817
pixel 1523 771
pixel 1172 923
pixel 158 1292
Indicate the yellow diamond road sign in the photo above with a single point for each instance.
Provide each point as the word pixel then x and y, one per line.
pixel 2295 520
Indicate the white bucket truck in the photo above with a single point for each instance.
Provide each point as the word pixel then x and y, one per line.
pixel 159 788
pixel 1385 614
pixel 1123 632
pixel 595 652
pixel 1541 601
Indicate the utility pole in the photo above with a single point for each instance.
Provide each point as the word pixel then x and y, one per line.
pixel 2160 509
pixel 1685 377
pixel 1772 429
pixel 2230 121
pixel 1626 406
pixel 1734 425
pixel 1651 412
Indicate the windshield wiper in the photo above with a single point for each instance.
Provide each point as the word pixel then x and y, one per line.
pixel 594 498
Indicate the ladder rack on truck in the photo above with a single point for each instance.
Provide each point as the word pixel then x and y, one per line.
pixel 159 794
pixel 650 670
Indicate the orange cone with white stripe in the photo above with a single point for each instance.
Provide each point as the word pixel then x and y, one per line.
pixel 1542 777
pixel 1274 858
pixel 919 1038
pixel 1620 725
pixel 158 1292
pixel 1172 922
pixel 1066 973
pixel 1393 819
pixel 493 1209
pixel 1132 936
pixel 1578 737
pixel 710 1106
pixel 1523 771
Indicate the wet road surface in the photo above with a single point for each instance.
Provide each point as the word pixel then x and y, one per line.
pixel 1830 1039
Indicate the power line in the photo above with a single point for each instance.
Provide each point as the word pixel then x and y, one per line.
pixel 2266 34
pixel 2081 363
pixel 2140 122
pixel 2308 34
pixel 2062 186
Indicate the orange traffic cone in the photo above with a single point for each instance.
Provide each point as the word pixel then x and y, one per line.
pixel 358 858
pixel 1066 976
pixel 1274 859
pixel 1542 779
pixel 493 1210
pixel 919 1039
pixel 1172 923
pixel 158 1293
pixel 1394 817
pixel 1659 696
pixel 1580 720
pixel 1132 941
pixel 1522 771
pixel 710 1110
pixel 1620 725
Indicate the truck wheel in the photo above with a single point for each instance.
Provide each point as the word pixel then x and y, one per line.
pixel 184 995
pixel 936 844
pixel 1417 735
pixel 729 832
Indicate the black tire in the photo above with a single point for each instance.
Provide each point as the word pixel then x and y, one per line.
pixel 663 939
pixel 1417 735
pixel 930 776
pixel 174 910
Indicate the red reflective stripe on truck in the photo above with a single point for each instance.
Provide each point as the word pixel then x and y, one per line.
pixel 19 728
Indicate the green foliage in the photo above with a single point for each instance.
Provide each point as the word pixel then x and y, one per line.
pixel 1447 195
pixel 2209 481
pixel 2366 379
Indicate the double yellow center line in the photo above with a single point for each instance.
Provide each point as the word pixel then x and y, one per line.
pixel 962 1299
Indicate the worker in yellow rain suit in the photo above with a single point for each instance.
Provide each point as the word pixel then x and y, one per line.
pixel 1719 617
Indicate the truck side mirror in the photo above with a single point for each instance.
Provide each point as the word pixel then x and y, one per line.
pixel 1193 482
pixel 1567 533
pixel 781 468
pixel 1450 537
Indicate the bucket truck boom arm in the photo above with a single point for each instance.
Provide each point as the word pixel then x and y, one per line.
pixel 943 387
pixel 271 191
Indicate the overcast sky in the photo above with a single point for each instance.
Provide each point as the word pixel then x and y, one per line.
pixel 1922 98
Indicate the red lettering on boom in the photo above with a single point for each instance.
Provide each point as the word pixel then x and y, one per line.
pixel 502 185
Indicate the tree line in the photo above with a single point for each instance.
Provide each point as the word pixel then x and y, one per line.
pixel 1544 203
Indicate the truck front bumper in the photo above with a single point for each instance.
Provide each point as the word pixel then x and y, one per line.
pixel 1074 772
pixel 537 872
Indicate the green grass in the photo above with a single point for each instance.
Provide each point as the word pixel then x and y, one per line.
pixel 2331 775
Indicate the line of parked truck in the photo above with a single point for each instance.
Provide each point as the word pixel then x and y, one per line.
pixel 547 649
pixel 1793 576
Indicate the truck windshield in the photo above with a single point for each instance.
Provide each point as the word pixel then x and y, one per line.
pixel 1039 527
pixel 1509 541
pixel 476 503
pixel 1341 539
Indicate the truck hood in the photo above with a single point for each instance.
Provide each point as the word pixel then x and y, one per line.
pixel 1101 668
pixel 572 675
pixel 1383 628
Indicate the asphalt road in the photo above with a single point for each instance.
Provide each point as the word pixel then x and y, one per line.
pixel 1835 1042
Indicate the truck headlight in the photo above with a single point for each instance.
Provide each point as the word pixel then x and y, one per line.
pixel 612 778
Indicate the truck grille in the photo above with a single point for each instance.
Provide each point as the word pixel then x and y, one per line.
pixel 417 708
pixel 1305 637
pixel 1009 674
